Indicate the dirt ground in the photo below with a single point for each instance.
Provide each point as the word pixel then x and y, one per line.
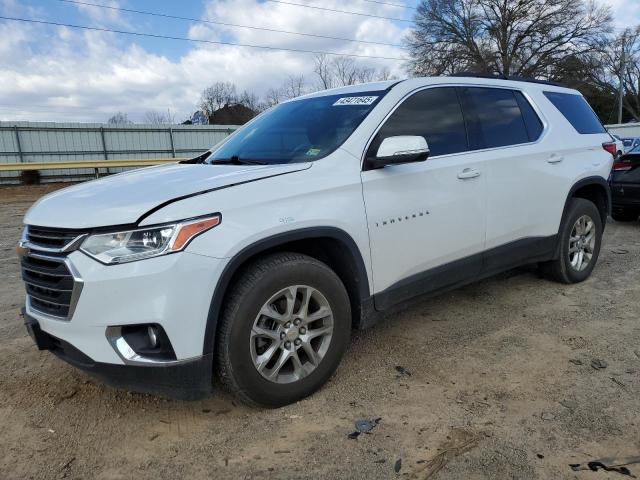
pixel 497 383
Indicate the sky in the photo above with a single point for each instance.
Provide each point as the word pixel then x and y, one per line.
pixel 56 73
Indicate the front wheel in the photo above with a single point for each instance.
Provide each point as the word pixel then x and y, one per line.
pixel 580 239
pixel 284 329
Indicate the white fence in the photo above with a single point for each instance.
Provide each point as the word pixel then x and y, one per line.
pixel 624 130
pixel 24 142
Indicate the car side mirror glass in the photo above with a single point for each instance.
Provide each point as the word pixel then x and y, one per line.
pixel 400 149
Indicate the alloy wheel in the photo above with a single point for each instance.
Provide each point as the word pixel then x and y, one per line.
pixel 582 243
pixel 291 334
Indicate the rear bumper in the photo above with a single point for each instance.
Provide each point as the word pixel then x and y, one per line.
pixel 184 380
pixel 624 196
pixel 621 202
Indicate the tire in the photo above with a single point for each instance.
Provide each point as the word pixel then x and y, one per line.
pixel 624 215
pixel 561 269
pixel 247 338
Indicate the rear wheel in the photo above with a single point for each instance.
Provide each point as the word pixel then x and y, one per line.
pixel 624 215
pixel 580 240
pixel 284 330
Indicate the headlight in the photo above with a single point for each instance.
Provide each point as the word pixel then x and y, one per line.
pixel 132 245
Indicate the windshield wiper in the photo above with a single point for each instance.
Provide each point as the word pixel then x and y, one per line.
pixel 236 160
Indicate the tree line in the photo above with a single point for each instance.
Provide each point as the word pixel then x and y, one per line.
pixel 571 42
pixel 327 73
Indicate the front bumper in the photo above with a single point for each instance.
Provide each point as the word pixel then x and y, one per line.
pixel 173 291
pixel 185 380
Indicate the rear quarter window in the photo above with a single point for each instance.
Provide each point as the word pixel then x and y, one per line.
pixel 531 119
pixel 577 111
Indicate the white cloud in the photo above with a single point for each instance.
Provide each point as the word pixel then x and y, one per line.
pixel 64 74
pixel 104 17
pixel 88 76
pixel 626 13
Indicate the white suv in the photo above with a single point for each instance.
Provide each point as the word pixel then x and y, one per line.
pixel 255 260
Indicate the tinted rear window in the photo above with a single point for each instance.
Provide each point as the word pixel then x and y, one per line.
pixel 577 111
pixel 494 117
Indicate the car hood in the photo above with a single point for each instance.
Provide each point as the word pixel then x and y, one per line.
pixel 125 198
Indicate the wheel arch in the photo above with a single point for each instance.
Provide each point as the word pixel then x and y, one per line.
pixel 595 189
pixel 331 245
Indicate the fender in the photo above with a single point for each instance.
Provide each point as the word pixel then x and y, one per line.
pixel 272 242
pixel 595 180
pixel 584 182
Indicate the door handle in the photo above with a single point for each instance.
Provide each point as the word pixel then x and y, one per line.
pixel 555 158
pixel 468 173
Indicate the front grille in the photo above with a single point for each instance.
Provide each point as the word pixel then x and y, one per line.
pixel 51 238
pixel 50 285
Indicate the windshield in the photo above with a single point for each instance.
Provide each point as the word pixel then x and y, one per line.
pixel 298 131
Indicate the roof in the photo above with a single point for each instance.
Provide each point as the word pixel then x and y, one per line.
pixel 515 82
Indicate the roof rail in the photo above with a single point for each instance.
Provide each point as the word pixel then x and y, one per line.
pixel 506 77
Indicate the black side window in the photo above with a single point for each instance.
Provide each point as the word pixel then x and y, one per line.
pixel 494 118
pixel 576 109
pixel 531 119
pixel 433 113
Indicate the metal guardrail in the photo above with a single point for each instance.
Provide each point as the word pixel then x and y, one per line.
pixel 19 167
pixel 74 151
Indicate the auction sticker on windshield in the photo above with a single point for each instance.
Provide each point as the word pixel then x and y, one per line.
pixel 355 101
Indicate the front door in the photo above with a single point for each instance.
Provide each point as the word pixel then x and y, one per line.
pixel 426 219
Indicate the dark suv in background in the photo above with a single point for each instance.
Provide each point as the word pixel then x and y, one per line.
pixel 625 187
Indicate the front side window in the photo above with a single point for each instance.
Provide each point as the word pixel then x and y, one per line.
pixel 577 111
pixel 494 117
pixel 434 114
pixel 298 131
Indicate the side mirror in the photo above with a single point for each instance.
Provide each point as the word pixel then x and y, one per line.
pixel 400 149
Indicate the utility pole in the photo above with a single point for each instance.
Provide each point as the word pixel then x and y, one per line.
pixel 622 71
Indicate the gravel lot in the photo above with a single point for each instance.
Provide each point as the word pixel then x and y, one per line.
pixel 499 385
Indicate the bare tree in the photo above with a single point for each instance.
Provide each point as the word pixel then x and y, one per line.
pixel 631 73
pixel 343 71
pixel 249 100
pixel 384 74
pixel 599 76
pixel 365 74
pixel 119 119
pixel 504 37
pixel 154 117
pixel 324 71
pixel 272 98
pixel 621 64
pixel 217 96
pixel 294 86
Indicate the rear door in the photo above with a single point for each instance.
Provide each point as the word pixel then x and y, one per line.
pixel 426 219
pixel 523 185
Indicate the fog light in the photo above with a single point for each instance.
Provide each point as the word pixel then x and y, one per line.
pixel 142 343
pixel 153 336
